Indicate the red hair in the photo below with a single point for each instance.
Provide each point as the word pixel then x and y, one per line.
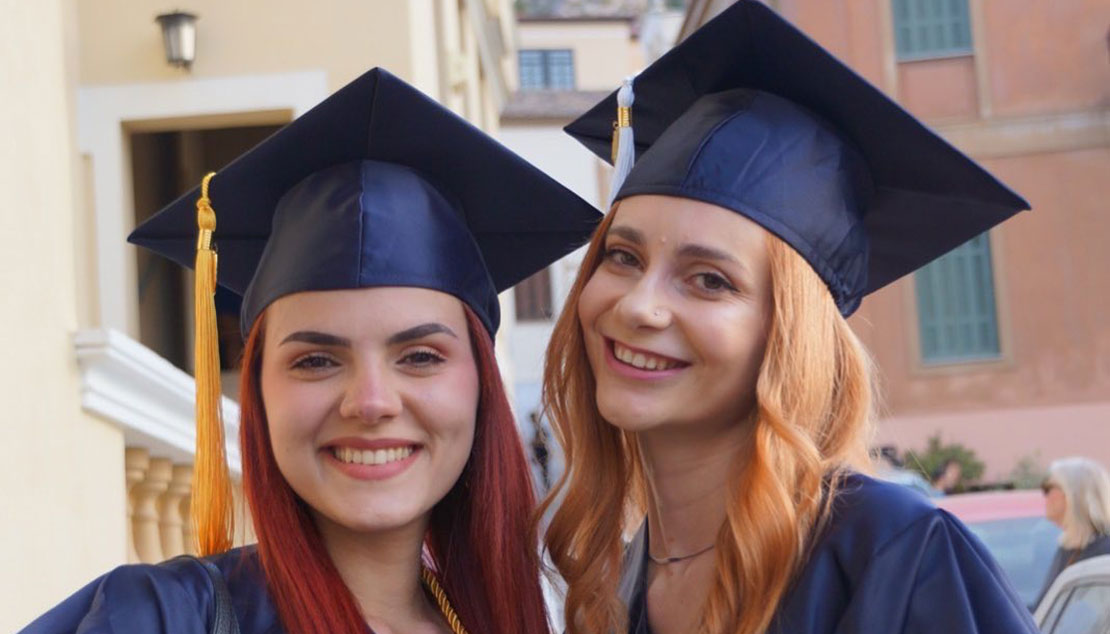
pixel 480 540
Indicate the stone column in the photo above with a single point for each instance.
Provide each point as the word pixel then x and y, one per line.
pixel 148 540
pixel 187 520
pixel 171 526
pixel 136 461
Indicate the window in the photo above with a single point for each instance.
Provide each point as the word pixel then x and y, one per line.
pixel 931 28
pixel 533 297
pixel 955 305
pixel 546 69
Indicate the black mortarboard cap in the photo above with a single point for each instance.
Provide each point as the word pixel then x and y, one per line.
pixel 378 185
pixel 750 114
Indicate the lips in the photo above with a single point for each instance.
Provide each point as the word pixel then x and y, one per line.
pixel 376 459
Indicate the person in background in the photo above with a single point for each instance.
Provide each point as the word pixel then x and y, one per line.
pixel 541 455
pixel 1077 499
pixel 946 477
pixel 889 467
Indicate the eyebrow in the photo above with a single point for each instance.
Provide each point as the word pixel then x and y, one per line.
pixel 702 252
pixel 317 338
pixel 409 334
pixel 628 233
pixel 419 332
pixel 695 251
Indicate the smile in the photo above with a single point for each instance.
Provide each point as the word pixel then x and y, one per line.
pixel 643 360
pixel 373 457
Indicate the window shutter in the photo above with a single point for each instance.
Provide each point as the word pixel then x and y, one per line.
pixel 931 28
pixel 956 309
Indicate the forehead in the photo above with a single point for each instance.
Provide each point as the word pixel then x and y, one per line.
pixel 365 311
pixel 674 221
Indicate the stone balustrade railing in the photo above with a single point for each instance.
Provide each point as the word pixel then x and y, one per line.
pixel 158 495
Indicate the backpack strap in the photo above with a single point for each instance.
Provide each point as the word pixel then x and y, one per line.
pixel 224 621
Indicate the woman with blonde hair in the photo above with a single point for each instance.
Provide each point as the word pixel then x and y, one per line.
pixel 1077 499
pixel 703 380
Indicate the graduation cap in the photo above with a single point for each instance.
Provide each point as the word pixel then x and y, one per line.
pixel 750 114
pixel 378 185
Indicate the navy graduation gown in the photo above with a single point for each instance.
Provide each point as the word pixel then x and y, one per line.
pixel 887 561
pixel 174 597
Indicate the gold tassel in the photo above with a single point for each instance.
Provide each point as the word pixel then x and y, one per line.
pixel 211 506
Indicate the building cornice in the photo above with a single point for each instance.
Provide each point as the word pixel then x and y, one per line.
pixel 150 399
pixel 999 137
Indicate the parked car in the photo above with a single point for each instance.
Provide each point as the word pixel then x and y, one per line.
pixel 1078 601
pixel 1014 529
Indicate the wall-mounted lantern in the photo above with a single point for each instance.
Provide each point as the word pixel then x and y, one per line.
pixel 179 35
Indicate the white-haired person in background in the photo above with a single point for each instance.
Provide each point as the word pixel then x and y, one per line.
pixel 1077 499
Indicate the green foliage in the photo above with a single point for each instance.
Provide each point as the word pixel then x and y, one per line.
pixel 1028 472
pixel 937 453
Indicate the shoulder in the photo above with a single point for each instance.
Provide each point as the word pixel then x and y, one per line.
pixel 1099 546
pixel 876 510
pixel 888 555
pixel 171 597
pixel 186 576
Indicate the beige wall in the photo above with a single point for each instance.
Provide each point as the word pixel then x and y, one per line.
pixel 61 471
pixel 604 51
pixel 121 43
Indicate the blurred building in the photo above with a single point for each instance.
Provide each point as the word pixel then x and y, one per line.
pixel 569 56
pixel 1003 345
pixel 100 131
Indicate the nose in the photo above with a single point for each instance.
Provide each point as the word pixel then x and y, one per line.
pixel 371 397
pixel 645 305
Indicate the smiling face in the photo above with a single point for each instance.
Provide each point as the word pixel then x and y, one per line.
pixel 675 318
pixel 371 397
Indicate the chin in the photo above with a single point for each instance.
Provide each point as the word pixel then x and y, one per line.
pixel 380 520
pixel 631 417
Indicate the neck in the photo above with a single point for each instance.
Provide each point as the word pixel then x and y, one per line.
pixel 688 485
pixel 382 570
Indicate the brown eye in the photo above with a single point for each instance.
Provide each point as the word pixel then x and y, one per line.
pixel 713 282
pixel 422 358
pixel 621 257
pixel 314 363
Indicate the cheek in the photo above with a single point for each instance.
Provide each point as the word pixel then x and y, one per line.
pixel 599 295
pixel 447 408
pixel 737 349
pixel 294 411
pixel 1056 502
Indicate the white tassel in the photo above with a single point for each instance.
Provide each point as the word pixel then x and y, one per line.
pixel 624 144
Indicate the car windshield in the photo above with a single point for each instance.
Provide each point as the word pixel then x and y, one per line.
pixel 1024 548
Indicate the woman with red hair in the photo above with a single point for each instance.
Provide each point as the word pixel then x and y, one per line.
pixel 383 471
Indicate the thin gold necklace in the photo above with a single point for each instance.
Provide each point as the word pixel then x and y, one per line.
pixel 436 590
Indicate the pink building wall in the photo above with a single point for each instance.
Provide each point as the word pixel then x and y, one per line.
pixel 1035 99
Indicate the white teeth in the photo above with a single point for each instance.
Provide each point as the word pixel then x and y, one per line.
pixel 371 456
pixel 641 360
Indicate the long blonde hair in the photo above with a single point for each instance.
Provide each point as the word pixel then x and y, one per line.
pixel 813 418
pixel 1086 488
